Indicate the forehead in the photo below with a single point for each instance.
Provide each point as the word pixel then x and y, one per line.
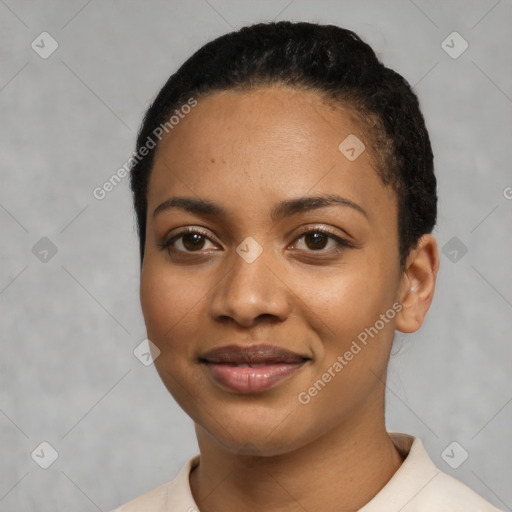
pixel 281 116
pixel 263 144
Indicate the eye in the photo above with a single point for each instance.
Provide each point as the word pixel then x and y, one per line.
pixel 191 239
pixel 187 240
pixel 318 238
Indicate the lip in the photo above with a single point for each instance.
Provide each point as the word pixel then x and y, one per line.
pixel 251 369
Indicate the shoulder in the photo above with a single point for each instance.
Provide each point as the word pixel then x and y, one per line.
pixel 154 500
pixel 448 494
pixel 173 495
pixel 420 486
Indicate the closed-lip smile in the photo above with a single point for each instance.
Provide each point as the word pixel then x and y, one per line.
pixel 251 369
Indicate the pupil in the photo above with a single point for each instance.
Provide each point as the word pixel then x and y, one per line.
pixel 316 239
pixel 193 240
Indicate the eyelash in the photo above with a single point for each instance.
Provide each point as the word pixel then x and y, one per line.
pixel 342 242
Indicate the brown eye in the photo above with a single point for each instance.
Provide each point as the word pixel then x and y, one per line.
pixel 193 241
pixel 322 241
pixel 316 240
pixel 187 241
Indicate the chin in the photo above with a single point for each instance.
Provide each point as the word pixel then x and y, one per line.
pixel 249 443
pixel 256 433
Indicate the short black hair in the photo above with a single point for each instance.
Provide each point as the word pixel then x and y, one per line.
pixel 338 65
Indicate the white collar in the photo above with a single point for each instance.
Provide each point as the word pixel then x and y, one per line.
pixel 417 486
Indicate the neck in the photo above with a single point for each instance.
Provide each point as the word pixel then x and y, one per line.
pixel 342 470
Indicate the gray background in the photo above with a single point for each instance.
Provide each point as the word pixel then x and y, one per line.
pixel 70 323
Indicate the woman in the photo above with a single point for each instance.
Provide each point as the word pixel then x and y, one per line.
pixel 285 198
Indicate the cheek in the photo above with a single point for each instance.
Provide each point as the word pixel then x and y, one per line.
pixel 168 302
pixel 341 305
pixel 345 311
pixel 352 345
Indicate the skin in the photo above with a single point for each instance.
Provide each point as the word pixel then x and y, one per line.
pixel 248 151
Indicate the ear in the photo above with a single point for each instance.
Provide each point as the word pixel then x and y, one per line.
pixel 417 285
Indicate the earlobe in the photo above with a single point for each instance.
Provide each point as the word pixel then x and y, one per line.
pixel 418 284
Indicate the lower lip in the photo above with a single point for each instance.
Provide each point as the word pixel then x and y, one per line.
pixel 251 380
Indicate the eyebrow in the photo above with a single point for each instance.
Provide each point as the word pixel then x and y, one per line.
pixel 279 211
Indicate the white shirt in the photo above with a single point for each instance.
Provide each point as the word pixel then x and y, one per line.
pixel 417 486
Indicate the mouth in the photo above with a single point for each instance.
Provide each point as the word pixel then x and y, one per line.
pixel 251 369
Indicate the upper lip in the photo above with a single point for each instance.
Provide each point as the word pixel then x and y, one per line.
pixel 255 354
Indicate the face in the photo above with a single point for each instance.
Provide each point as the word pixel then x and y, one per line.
pixel 253 260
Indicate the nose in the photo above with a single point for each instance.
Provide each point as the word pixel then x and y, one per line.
pixel 250 292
